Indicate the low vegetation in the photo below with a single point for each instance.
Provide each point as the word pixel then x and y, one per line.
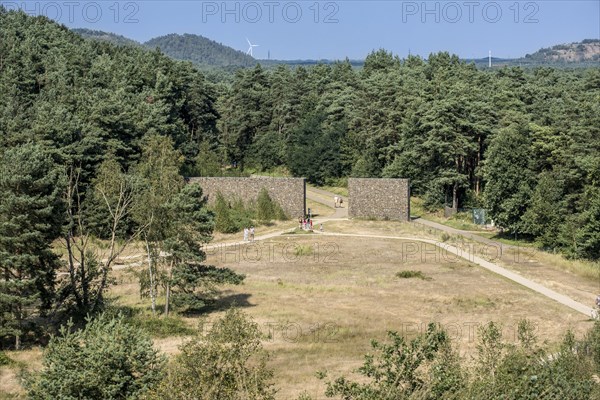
pixel 412 274
pixel 303 250
pixel 427 367
pixel 235 215
pixel 107 359
pixel 226 363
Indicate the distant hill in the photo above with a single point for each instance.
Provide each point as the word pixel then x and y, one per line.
pixel 200 51
pixel 209 54
pixel 106 37
pixel 585 51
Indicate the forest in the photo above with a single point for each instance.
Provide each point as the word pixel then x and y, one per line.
pixel 523 144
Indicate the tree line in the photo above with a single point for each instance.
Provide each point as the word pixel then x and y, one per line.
pixel 523 144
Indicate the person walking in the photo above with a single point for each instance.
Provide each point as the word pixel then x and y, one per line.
pixel 311 224
pixel 321 227
pixel 335 201
pixel 252 234
pixel 245 234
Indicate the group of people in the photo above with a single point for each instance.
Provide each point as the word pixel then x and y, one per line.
pixel 249 234
pixel 337 201
pixel 307 224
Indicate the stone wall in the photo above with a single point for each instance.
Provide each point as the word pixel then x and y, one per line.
pixel 379 198
pixel 290 193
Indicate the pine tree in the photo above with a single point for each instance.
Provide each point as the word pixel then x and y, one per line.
pixel 31 214
pixel 188 281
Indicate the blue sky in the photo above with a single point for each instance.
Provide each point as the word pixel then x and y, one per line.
pixel 338 29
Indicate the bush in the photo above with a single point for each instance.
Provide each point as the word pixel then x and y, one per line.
pixel 235 216
pixel 267 209
pixel 398 369
pixel 303 250
pixel 228 363
pixel 412 274
pixel 223 221
pixel 108 359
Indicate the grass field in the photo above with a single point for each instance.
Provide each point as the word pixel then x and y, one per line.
pixel 320 299
pixel 322 309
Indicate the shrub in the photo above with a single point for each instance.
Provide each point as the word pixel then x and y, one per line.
pixel 264 210
pixel 267 209
pixel 228 363
pixel 397 369
pixel 412 274
pixel 108 359
pixel 223 221
pixel 303 250
pixel 235 216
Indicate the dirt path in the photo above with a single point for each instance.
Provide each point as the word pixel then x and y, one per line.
pixel 326 198
pixel 467 234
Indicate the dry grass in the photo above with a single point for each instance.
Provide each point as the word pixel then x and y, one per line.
pixel 319 308
pixel 10 386
pixel 320 312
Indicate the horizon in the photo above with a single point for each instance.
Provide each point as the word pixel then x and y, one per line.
pixel 332 59
pixel 336 30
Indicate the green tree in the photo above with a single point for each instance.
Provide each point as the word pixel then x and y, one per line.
pixel 108 359
pixel 223 219
pixel 31 215
pixel 314 152
pixel 265 206
pixel 509 178
pixel 158 173
pixel 188 281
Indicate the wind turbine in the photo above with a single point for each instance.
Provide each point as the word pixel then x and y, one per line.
pixel 250 48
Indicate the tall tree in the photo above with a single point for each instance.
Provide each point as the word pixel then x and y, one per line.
pixel 31 212
pixel 158 173
pixel 187 280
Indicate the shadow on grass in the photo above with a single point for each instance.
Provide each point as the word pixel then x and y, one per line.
pixel 509 238
pixel 223 303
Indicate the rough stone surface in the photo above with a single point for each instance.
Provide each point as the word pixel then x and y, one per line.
pixel 379 198
pixel 290 193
